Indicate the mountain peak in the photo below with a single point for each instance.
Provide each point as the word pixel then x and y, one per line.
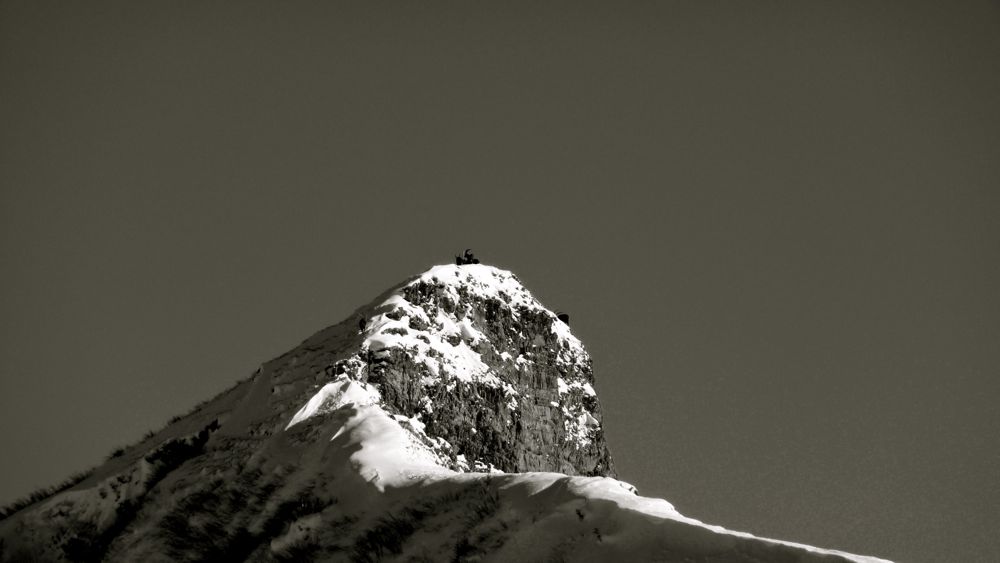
pixel 495 379
pixel 453 418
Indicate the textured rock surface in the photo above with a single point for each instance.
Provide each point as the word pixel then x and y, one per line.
pixel 533 408
pixel 453 418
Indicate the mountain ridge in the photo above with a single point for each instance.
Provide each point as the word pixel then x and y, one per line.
pixel 453 416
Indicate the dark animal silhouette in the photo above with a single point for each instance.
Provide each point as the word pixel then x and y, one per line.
pixel 467 258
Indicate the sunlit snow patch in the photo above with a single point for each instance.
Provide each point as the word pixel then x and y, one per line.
pixel 334 396
pixel 389 454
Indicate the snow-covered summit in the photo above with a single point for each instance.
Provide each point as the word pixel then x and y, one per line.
pixel 453 418
pixel 487 282
pixel 491 375
pixel 458 289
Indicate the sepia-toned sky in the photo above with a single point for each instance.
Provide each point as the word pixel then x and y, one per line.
pixel 776 226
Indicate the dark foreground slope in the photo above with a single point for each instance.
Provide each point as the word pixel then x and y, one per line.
pixel 452 419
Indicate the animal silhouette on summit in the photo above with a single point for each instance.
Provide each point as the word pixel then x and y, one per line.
pixel 467 258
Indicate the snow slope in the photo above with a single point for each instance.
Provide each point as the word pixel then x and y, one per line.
pixel 578 518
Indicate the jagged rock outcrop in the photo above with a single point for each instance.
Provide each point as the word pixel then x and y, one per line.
pixel 492 375
pixel 459 423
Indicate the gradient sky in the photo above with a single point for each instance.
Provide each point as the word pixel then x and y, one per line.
pixel 775 226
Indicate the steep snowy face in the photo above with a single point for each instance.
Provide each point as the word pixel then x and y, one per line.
pixel 487 376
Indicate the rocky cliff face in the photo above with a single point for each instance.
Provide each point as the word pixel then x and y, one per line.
pixel 495 380
pixel 453 418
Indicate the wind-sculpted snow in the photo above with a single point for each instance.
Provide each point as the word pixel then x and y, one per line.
pixel 525 516
pixel 333 396
pixel 545 516
pixel 454 418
